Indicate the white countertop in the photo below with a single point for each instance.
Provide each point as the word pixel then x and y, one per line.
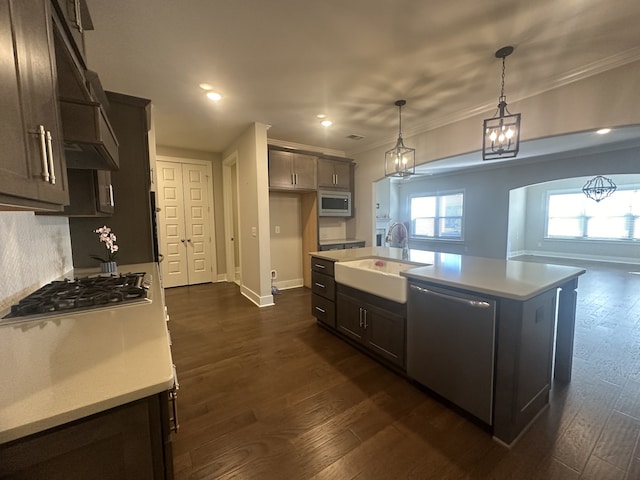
pixel 503 278
pixel 65 367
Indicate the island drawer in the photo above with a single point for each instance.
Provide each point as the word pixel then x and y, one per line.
pixel 323 285
pixel 322 265
pixel 324 310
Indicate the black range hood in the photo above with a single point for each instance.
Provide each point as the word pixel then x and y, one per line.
pixel 89 140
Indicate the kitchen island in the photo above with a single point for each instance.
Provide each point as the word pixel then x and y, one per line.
pixel 89 385
pixel 520 355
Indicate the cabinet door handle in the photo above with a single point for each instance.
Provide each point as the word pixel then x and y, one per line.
pixel 173 396
pixel 360 317
pixel 52 168
pixel 317 265
pixel 111 201
pixel 43 152
pixel 319 285
pixel 78 16
pixel 320 310
pixel 365 319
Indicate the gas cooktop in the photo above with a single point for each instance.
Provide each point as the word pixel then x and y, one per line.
pixel 81 294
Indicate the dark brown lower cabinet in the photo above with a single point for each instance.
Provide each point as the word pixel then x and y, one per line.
pixel 377 324
pixel 129 442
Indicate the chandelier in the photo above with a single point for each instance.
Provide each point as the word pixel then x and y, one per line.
pixel 400 161
pixel 501 134
pixel 599 188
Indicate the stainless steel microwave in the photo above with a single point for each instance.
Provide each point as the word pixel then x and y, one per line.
pixel 334 204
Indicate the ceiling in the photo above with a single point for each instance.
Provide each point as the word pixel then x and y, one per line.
pixel 284 62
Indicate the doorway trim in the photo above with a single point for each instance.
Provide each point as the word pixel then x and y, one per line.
pixel 228 164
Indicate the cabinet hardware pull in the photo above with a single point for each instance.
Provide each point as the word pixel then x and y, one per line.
pixel 183 240
pixel 43 152
pixel 365 319
pixel 78 16
pixel 465 301
pixel 173 396
pixel 319 285
pixel 319 266
pixel 52 168
pixel 321 310
pixel 360 308
pixel 111 202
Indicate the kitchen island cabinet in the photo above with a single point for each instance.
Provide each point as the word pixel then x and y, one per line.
pixel 93 388
pixel 32 170
pixel 534 303
pixel 375 323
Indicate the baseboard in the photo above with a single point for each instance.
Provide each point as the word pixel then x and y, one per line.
pixel 286 284
pixel 264 301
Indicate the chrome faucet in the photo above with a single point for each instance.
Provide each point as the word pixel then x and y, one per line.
pixel 404 243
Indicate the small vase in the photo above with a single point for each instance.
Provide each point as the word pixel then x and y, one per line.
pixel 108 267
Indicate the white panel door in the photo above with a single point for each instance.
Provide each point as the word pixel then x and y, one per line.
pixel 196 212
pixel 185 239
pixel 171 224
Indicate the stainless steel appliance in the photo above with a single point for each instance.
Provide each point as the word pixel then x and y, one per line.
pixel 80 294
pixel 334 203
pixel 451 346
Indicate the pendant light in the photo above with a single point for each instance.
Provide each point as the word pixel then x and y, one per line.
pixel 501 134
pixel 599 188
pixel 400 161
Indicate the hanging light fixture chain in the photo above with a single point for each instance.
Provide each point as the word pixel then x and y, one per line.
pixel 502 84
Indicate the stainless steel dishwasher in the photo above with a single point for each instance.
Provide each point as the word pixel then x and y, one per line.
pixel 451 346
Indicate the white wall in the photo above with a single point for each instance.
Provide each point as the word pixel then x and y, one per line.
pixel 253 206
pixel 34 250
pixel 286 245
pixel 516 238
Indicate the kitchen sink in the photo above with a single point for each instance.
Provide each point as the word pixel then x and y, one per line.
pixel 378 276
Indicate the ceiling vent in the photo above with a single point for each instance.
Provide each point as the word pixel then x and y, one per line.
pixel 354 136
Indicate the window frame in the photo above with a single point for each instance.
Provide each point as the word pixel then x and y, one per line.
pixel 438 195
pixel 583 219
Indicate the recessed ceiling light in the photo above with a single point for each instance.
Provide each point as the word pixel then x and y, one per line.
pixel 215 96
pixel 321 116
pixel 603 131
pixel 206 86
pixel 326 123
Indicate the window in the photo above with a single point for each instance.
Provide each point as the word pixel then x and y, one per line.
pixel 573 215
pixel 437 216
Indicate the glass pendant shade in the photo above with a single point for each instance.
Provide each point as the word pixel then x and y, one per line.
pixel 599 188
pixel 400 161
pixel 501 134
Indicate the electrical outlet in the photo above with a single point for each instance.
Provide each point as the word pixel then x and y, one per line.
pixel 277 228
pixel 274 274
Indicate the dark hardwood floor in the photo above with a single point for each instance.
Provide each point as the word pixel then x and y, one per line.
pixel 268 394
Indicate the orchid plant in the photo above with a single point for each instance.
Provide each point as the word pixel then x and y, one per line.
pixel 109 239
